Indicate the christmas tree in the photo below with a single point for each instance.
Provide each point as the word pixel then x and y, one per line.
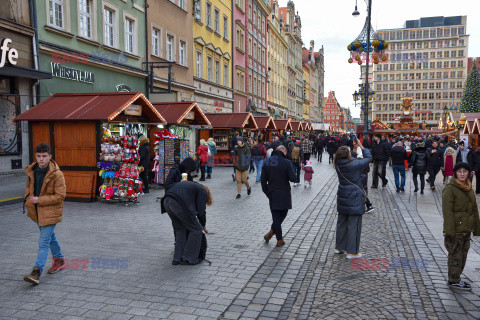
pixel 471 93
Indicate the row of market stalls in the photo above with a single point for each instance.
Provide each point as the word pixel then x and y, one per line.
pixel 93 137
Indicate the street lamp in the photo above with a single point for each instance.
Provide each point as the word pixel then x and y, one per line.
pixel 445 113
pixel 355 13
pixel 355 97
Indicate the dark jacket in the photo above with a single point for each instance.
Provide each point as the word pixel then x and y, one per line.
pixel 381 151
pixel 460 211
pixel 332 146
pixel 435 158
pixel 319 144
pixel 476 161
pixel 277 173
pixel 144 153
pixel 193 198
pixel 419 160
pixel 241 157
pixel 175 174
pixel 399 155
pixel 350 194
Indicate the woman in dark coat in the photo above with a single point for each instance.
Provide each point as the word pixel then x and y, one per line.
pixel 331 149
pixel 144 153
pixel 419 160
pixel 350 199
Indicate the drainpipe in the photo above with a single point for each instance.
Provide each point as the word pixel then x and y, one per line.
pixel 33 20
pixel 146 48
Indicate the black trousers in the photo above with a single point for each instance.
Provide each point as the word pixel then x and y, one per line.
pixel 144 177
pixel 202 170
pixel 432 174
pixel 330 157
pixel 422 180
pixel 319 154
pixel 379 170
pixel 477 177
pixel 278 216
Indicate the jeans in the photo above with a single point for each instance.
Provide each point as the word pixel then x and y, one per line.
pixel 278 216
pixel 188 231
pixel 259 165
pixel 379 169
pixel 144 177
pixel 47 241
pixel 296 167
pixel 399 169
pixel 209 170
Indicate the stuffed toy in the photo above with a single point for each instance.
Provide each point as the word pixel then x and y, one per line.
pixel 109 193
pixel 102 190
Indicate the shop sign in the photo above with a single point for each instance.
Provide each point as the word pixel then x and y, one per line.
pixel 423 111
pixel 123 88
pixel 8 54
pixel 60 71
pixel 133 110
pixel 190 115
pixel 218 103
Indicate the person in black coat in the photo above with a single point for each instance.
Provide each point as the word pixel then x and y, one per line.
pixel 419 160
pixel 475 156
pixel 380 154
pixel 434 164
pixel 175 175
pixel 319 145
pixel 144 153
pixel 277 173
pixel 186 204
pixel 350 199
pixel 398 156
pixel 365 172
pixel 331 149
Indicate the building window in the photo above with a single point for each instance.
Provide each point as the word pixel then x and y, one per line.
pixel 217 71
pixel 85 12
pixel 56 11
pixel 209 68
pixel 209 15
pixel 225 75
pixel 198 10
pixel 199 64
pixel 182 53
pixel 156 36
pixel 240 4
pixel 217 21
pixel 240 39
pixel 225 27
pixel 170 54
pixel 110 28
pixel 181 4
pixel 130 36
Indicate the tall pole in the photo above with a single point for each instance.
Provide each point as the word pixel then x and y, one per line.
pixel 365 111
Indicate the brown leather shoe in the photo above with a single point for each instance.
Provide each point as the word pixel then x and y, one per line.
pixel 268 236
pixel 58 264
pixel 280 243
pixel 33 277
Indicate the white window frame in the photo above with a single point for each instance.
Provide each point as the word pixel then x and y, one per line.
pixel 133 33
pixel 216 20
pixel 181 4
pixel 52 21
pixel 226 78
pixel 199 63
pixel 218 71
pixel 114 10
pixel 182 52
pixel 225 27
pixel 209 68
pixel 82 15
pixel 159 40
pixel 208 15
pixel 173 56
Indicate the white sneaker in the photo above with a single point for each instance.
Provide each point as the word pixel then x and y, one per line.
pixel 340 251
pixel 354 256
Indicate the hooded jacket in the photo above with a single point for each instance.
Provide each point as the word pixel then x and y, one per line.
pixel 175 174
pixel 460 211
pixel 468 153
pixel 308 172
pixel 419 160
pixel 49 209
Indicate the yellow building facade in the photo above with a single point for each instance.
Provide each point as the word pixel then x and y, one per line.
pixel 306 92
pixel 212 55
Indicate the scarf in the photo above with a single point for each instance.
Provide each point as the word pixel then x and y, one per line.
pixel 465 186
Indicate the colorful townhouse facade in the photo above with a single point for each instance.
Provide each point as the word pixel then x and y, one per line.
pixel 212 51
pixel 240 73
pixel 333 113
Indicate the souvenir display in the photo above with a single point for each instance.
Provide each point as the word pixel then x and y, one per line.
pixel 169 150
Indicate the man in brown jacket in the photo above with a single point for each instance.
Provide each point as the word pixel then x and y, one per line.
pixel 44 197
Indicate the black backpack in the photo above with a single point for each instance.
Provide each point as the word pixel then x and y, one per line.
pixel 256 151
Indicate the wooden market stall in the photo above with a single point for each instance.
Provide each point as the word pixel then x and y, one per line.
pixel 266 126
pixel 297 127
pixel 180 137
pixel 76 125
pixel 223 127
pixel 283 125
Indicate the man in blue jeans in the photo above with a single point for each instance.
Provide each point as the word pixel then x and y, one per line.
pixel 44 197
pixel 399 155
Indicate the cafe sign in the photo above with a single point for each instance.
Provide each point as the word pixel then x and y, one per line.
pixel 63 72
pixel 133 110
pixel 10 54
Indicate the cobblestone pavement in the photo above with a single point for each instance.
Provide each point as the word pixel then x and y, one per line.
pixel 247 278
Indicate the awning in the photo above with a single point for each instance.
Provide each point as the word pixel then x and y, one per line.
pixel 320 126
pixel 90 106
pixel 265 123
pixel 297 125
pixel 283 124
pixel 185 113
pixel 240 120
pixel 10 71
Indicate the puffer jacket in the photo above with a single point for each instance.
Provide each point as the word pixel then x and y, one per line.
pixel 350 195
pixel 419 160
pixel 460 211
pixel 202 153
pixel 49 209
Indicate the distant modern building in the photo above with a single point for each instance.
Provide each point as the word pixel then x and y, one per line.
pixel 428 60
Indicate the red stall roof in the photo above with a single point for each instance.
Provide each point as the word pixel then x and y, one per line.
pixel 307 126
pixel 283 124
pixel 265 123
pixel 243 120
pixel 89 106
pixel 297 125
pixel 469 125
pixel 182 113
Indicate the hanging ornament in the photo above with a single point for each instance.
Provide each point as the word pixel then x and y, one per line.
pixel 350 60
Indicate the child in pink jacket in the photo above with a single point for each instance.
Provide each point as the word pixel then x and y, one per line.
pixel 307 178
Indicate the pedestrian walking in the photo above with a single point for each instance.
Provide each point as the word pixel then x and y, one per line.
pixel 460 220
pixel 434 164
pixel 398 156
pixel 419 160
pixel 259 152
pixel 175 175
pixel 277 173
pixel 465 154
pixel 202 153
pixel 448 163
pixel 331 149
pixel 307 145
pixel 250 144
pixel 186 204
pixel 241 161
pixel 476 168
pixel 380 154
pixel 295 155
pixel 144 154
pixel 350 200
pixel 319 145
pixel 43 199
pixel 308 176
pixel 212 152
pixel 233 144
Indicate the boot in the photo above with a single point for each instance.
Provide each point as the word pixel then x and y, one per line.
pixel 58 264
pixel 280 243
pixel 209 176
pixel 268 236
pixel 33 277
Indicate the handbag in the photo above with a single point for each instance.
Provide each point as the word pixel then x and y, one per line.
pixel 361 189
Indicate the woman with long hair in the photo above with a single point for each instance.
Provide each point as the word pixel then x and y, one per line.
pixel 350 199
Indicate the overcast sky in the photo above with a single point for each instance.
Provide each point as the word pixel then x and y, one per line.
pixel 331 24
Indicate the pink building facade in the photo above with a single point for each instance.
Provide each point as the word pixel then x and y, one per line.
pixel 240 74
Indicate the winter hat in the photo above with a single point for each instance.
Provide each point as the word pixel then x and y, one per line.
pixel 461 165
pixel 240 139
pixel 202 142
